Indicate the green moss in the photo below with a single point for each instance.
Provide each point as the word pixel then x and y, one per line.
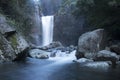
pixel 13 41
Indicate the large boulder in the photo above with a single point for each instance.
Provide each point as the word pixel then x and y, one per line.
pixel 105 55
pixel 12 45
pixel 89 44
pixel 39 54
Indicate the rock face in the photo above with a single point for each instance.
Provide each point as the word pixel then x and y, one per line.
pixel 67 29
pixel 89 44
pixel 4 27
pixel 39 54
pixel 12 44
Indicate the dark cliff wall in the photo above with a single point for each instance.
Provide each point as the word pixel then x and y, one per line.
pixel 50 7
pixel 67 29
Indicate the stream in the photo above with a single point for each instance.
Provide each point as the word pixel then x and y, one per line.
pixel 54 69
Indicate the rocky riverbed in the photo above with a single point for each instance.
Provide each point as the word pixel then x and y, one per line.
pixel 90 51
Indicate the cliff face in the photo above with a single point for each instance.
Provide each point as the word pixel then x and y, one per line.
pixel 67 29
pixel 12 44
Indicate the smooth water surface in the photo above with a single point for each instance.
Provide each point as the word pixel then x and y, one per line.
pixel 35 69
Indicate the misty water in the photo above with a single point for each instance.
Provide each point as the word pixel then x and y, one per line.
pixel 54 69
pixel 47 29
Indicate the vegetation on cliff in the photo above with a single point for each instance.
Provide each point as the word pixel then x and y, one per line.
pixel 19 13
pixel 98 14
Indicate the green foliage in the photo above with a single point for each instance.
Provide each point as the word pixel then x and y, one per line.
pixel 67 6
pixel 19 13
pixel 100 14
pixel 13 41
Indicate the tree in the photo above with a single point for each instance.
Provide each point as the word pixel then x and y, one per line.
pixel 101 14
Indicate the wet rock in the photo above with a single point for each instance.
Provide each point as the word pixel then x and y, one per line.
pixel 89 44
pixel 83 60
pixel 52 45
pixel 98 65
pixel 53 53
pixel 105 55
pixel 1 57
pixel 118 63
pixel 58 53
pixel 115 48
pixel 39 54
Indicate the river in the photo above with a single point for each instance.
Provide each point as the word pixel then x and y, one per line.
pixel 35 69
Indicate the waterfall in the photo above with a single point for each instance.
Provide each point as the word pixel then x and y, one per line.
pixel 47 29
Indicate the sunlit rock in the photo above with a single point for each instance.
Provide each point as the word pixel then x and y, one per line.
pixel 89 44
pixel 39 54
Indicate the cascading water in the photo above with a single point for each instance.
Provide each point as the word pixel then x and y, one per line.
pixel 47 28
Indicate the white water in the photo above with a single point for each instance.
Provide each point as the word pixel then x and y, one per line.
pixel 47 29
pixel 63 58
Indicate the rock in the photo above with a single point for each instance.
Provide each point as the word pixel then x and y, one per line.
pixel 105 55
pixel 115 48
pixel 118 63
pixel 53 53
pixel 12 45
pixel 7 51
pixel 1 57
pixel 83 60
pixel 89 44
pixel 99 64
pixel 51 45
pixel 2 19
pixel 18 43
pixel 39 54
pixel 5 28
